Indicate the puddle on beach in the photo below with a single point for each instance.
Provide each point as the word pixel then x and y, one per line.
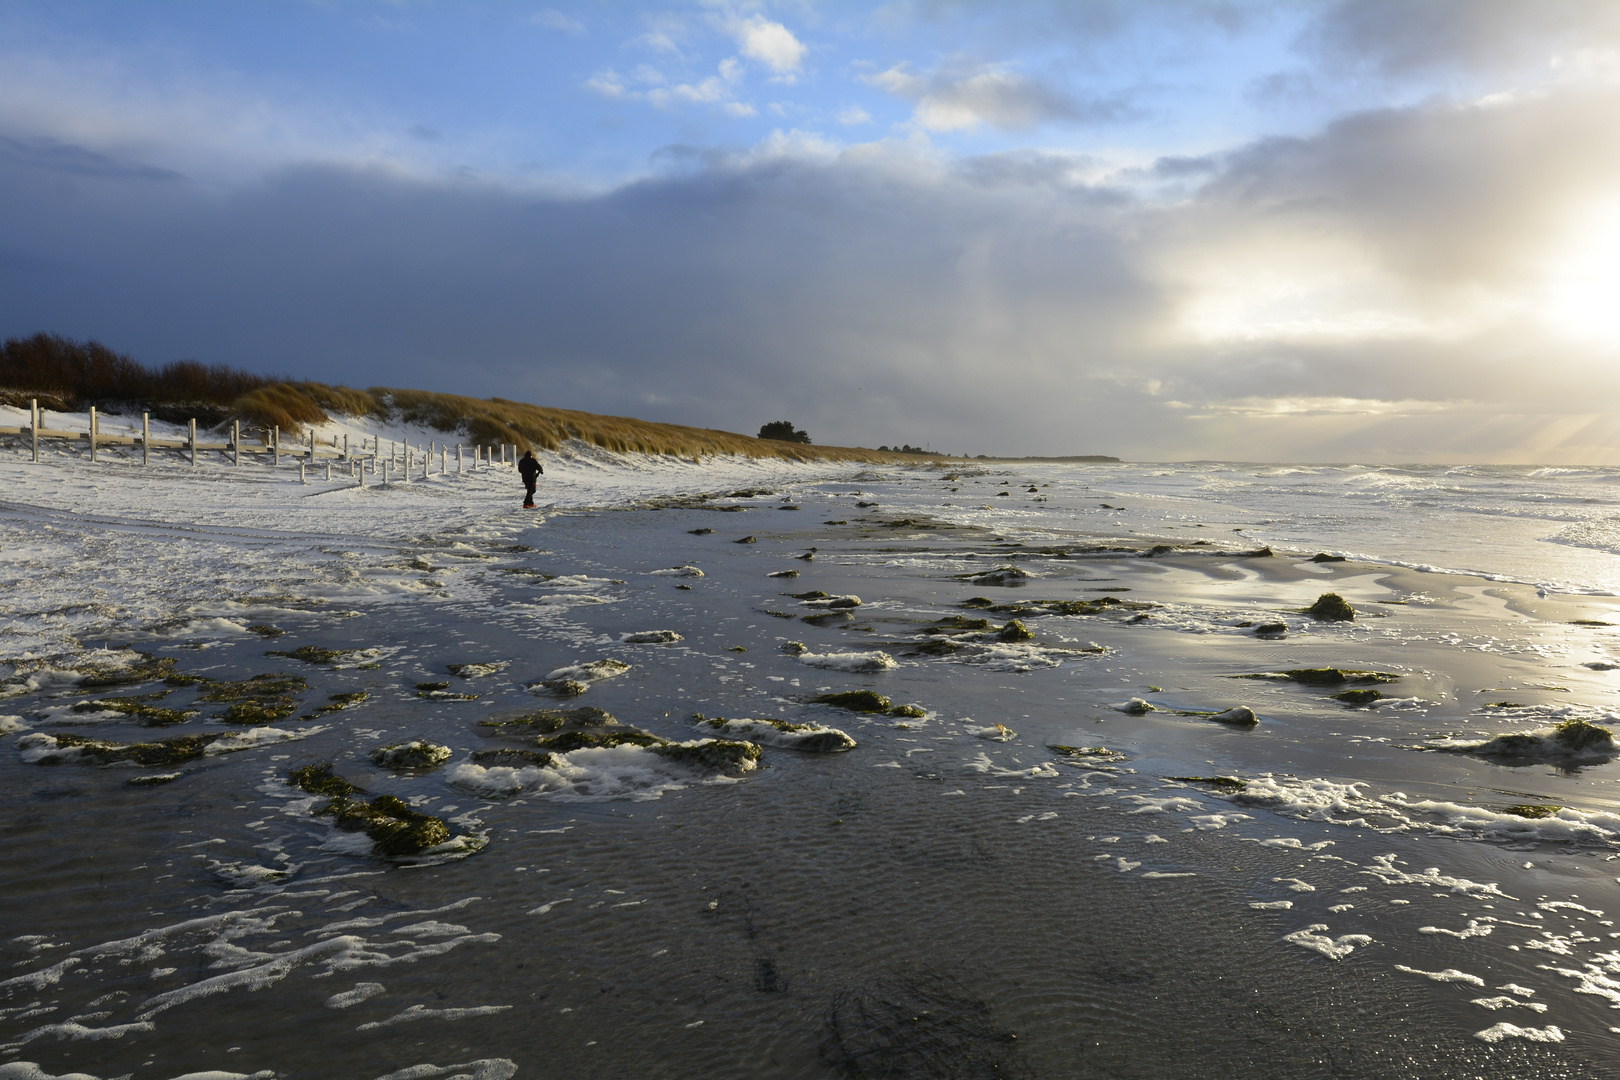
pixel 1003 880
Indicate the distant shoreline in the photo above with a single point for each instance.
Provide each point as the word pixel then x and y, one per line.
pixel 1096 459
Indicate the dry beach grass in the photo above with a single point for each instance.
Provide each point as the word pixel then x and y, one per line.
pixel 70 376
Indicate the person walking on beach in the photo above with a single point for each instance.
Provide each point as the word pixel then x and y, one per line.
pixel 530 469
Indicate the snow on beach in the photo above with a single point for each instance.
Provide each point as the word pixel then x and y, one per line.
pixel 174 549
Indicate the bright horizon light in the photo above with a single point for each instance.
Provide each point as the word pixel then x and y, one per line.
pixel 1583 286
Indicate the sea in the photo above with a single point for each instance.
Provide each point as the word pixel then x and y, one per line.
pixel 750 769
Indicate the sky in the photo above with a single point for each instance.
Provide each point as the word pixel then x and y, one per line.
pixel 1346 230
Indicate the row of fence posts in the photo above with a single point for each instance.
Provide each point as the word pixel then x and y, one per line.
pixel 483 456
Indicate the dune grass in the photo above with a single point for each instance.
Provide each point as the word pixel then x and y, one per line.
pixel 70 376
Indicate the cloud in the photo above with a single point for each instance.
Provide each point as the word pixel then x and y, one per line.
pixel 1369 289
pixel 1397 38
pixel 853 116
pixel 50 156
pixel 549 19
pixel 770 43
pixel 718 90
pixel 959 97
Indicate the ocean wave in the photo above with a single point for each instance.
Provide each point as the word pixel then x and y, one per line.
pixel 1599 535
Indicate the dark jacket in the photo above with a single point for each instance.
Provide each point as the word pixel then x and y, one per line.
pixel 529 468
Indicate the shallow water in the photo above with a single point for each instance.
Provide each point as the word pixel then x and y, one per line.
pixel 948 899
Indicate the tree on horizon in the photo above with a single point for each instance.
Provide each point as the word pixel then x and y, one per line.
pixel 783 431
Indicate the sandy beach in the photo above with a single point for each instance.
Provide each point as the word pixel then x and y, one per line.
pixel 1089 811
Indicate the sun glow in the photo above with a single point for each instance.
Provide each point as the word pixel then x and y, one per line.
pixel 1583 285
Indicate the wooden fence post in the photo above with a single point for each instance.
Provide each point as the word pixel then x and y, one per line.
pixel 345 446
pixel 33 425
pixel 92 433
pixel 312 445
pixel 276 443
pixel 146 438
pixel 236 443
pixel 194 440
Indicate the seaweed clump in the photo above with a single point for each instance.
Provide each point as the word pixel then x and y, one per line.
pixel 959 623
pixel 1358 697
pixel 575 679
pixel 1534 811
pixel 311 654
pixel 1571 739
pixel 809 737
pixel 321 780
pixel 337 703
pixel 867 701
pixel 475 671
pixel 1090 754
pixel 1331 607
pixel 1578 736
pixel 145 669
pixel 716 754
pixel 1015 630
pixel 262 699
pixel 440 691
pixel 1001 575
pixel 416 754
pixel 139 707
pixel 1327 676
pixel 396 830
pixel 546 721
pixel 151 755
pixel 566 742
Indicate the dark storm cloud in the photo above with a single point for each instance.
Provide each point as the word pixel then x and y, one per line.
pixel 1400 37
pixel 855 298
pixel 49 156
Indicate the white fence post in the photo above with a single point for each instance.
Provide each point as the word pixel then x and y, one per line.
pixel 194 440
pixel 33 425
pixel 146 438
pixel 459 467
pixel 92 433
pixel 301 478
